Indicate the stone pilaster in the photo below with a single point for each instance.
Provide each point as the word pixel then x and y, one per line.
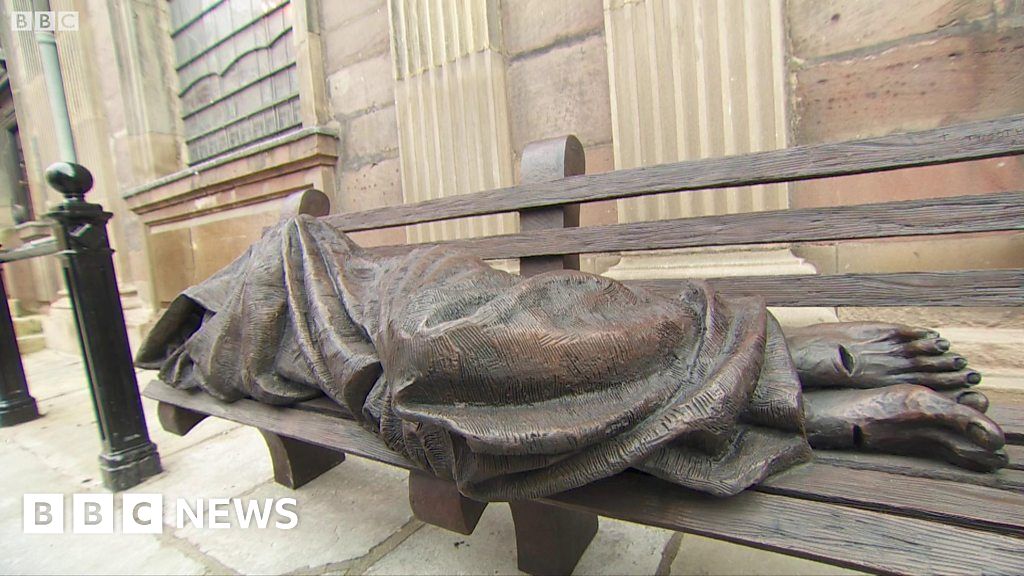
pixel 452 108
pixel 309 63
pixel 695 80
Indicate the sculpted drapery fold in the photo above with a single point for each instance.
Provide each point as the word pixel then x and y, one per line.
pixel 513 388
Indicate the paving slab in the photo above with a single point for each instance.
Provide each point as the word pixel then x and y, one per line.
pixel 72 553
pixel 432 550
pixel 50 374
pixel 65 437
pixel 618 548
pixel 228 465
pixel 624 548
pixel 342 515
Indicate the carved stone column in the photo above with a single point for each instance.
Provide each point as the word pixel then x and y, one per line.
pixel 452 109
pixel 697 79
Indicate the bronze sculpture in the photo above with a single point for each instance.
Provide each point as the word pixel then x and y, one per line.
pixel 520 388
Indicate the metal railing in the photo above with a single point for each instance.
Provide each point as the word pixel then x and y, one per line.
pixel 34 249
pixel 80 239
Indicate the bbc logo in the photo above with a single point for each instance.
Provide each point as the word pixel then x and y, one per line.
pixel 93 513
pixel 143 513
pixel 44 21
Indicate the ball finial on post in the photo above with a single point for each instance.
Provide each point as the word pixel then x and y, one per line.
pixel 70 179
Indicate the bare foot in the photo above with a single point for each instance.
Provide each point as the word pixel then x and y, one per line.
pixel 904 419
pixel 876 354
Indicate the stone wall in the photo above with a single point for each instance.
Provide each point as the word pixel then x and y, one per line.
pixel 558 82
pixel 858 69
pixel 361 96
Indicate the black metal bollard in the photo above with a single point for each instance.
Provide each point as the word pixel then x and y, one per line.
pixel 16 404
pixel 128 455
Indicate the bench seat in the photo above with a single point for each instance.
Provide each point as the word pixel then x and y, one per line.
pixel 884 514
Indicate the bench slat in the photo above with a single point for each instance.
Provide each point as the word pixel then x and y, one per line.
pixel 961 288
pixel 1016 455
pixel 1006 479
pixel 957 503
pixel 961 214
pixel 1007 408
pixel 971 141
pixel 310 426
pixel 836 534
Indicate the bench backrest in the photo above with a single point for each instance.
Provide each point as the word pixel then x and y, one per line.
pixel 545 201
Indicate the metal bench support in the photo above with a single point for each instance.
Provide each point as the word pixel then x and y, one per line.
pixel 296 463
pixel 549 539
pixel 437 501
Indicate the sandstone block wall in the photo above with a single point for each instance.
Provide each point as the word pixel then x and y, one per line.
pixel 861 68
pixel 361 92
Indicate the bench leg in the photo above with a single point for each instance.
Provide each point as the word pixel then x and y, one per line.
pixel 438 502
pixel 549 539
pixel 177 420
pixel 295 462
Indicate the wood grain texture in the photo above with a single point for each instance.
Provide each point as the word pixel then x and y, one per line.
pixel 1005 479
pixel 549 539
pixel 840 535
pixel 313 427
pixel 1016 456
pixel 438 502
pixel 176 420
pixel 960 214
pixel 1007 408
pixel 946 501
pixel 962 288
pixel 544 161
pixel 970 141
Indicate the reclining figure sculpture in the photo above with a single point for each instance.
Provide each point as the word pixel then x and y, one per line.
pixel 518 388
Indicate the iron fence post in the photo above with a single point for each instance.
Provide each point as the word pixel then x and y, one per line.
pixel 128 456
pixel 16 404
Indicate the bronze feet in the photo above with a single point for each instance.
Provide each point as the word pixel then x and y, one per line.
pixel 893 388
pixel 876 354
pixel 904 419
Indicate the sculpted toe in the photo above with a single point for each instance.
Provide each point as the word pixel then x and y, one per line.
pixel 927 346
pixel 942 380
pixel 944 363
pixel 969 398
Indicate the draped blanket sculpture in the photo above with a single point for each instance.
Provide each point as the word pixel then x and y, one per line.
pixel 521 388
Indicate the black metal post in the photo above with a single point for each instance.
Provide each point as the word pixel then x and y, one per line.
pixel 128 455
pixel 16 404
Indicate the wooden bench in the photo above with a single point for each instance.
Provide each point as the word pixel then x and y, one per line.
pixel 877 513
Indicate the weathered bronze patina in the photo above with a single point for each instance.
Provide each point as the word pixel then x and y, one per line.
pixel 518 388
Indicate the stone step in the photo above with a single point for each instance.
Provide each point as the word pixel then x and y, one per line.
pixel 28 325
pixel 31 343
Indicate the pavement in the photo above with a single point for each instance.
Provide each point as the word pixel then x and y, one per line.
pixel 355 519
